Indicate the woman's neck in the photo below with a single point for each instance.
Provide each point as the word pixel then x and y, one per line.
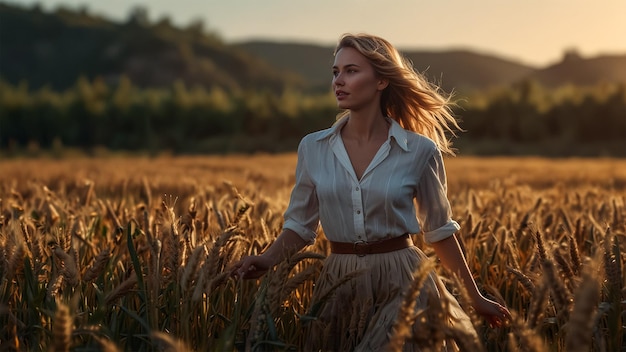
pixel 365 127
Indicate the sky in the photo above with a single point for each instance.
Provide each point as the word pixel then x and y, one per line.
pixel 532 32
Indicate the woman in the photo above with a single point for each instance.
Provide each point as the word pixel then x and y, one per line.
pixel 359 179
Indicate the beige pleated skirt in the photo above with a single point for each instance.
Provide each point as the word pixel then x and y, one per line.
pixel 359 314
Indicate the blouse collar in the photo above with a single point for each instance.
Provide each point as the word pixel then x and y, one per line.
pixel 399 134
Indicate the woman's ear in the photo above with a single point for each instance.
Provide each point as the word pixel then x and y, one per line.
pixel 382 84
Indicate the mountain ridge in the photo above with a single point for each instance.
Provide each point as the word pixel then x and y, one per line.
pixel 447 68
pixel 452 69
pixel 55 48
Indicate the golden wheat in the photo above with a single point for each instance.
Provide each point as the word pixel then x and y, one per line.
pixel 62 328
pixel 121 290
pixel 529 229
pixel 402 328
pixel 580 326
pixel 98 265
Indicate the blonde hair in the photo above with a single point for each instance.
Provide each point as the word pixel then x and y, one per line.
pixel 410 99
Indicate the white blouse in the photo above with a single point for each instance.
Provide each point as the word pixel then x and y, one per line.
pixel 407 167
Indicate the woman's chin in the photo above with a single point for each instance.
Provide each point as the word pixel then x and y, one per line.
pixel 342 105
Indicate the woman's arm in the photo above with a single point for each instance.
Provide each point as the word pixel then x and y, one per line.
pixel 449 251
pixel 251 267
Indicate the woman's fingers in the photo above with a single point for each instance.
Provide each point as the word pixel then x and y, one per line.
pixel 504 314
pixel 237 269
pixel 502 317
pixel 496 314
pixel 234 269
pixel 249 268
pixel 243 269
pixel 250 271
pixel 246 270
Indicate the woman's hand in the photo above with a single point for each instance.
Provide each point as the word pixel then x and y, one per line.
pixel 254 266
pixel 251 267
pixel 449 251
pixel 496 314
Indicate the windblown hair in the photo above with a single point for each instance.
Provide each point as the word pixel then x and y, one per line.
pixel 410 99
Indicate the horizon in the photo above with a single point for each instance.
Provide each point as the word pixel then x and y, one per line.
pixel 513 31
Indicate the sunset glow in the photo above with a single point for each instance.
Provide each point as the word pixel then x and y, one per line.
pixel 533 32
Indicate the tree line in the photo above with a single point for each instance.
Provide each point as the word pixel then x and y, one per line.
pixel 93 115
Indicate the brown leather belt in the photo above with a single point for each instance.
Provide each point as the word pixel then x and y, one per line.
pixel 362 248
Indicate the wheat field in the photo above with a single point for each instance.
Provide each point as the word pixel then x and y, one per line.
pixel 133 254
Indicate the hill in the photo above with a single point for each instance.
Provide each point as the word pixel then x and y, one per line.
pixel 465 70
pixel 56 48
pixel 451 69
pixel 575 70
pixel 310 61
pixel 455 69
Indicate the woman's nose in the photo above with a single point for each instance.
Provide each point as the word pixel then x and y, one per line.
pixel 338 79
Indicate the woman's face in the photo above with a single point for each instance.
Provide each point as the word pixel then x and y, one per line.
pixel 355 83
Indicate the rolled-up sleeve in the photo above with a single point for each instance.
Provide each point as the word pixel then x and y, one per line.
pixel 302 214
pixel 434 211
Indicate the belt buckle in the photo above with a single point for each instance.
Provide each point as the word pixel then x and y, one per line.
pixel 359 244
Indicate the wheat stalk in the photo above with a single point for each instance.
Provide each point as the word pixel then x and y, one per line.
pixel 4 261
pixel 574 254
pixel 529 340
pixel 52 215
pixel 402 326
pixel 580 325
pixel 172 250
pixel 323 297
pixel 122 289
pixel 292 283
pixel 612 267
pixel 560 295
pixel 538 305
pixel 62 328
pixel 69 269
pixel 16 260
pixel 526 282
pixel 541 247
pixel 107 345
pixel 191 268
pixel 565 267
pixel 165 342
pixel 98 265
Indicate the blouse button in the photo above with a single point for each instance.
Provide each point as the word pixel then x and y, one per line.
pixel 356 189
pixel 358 212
